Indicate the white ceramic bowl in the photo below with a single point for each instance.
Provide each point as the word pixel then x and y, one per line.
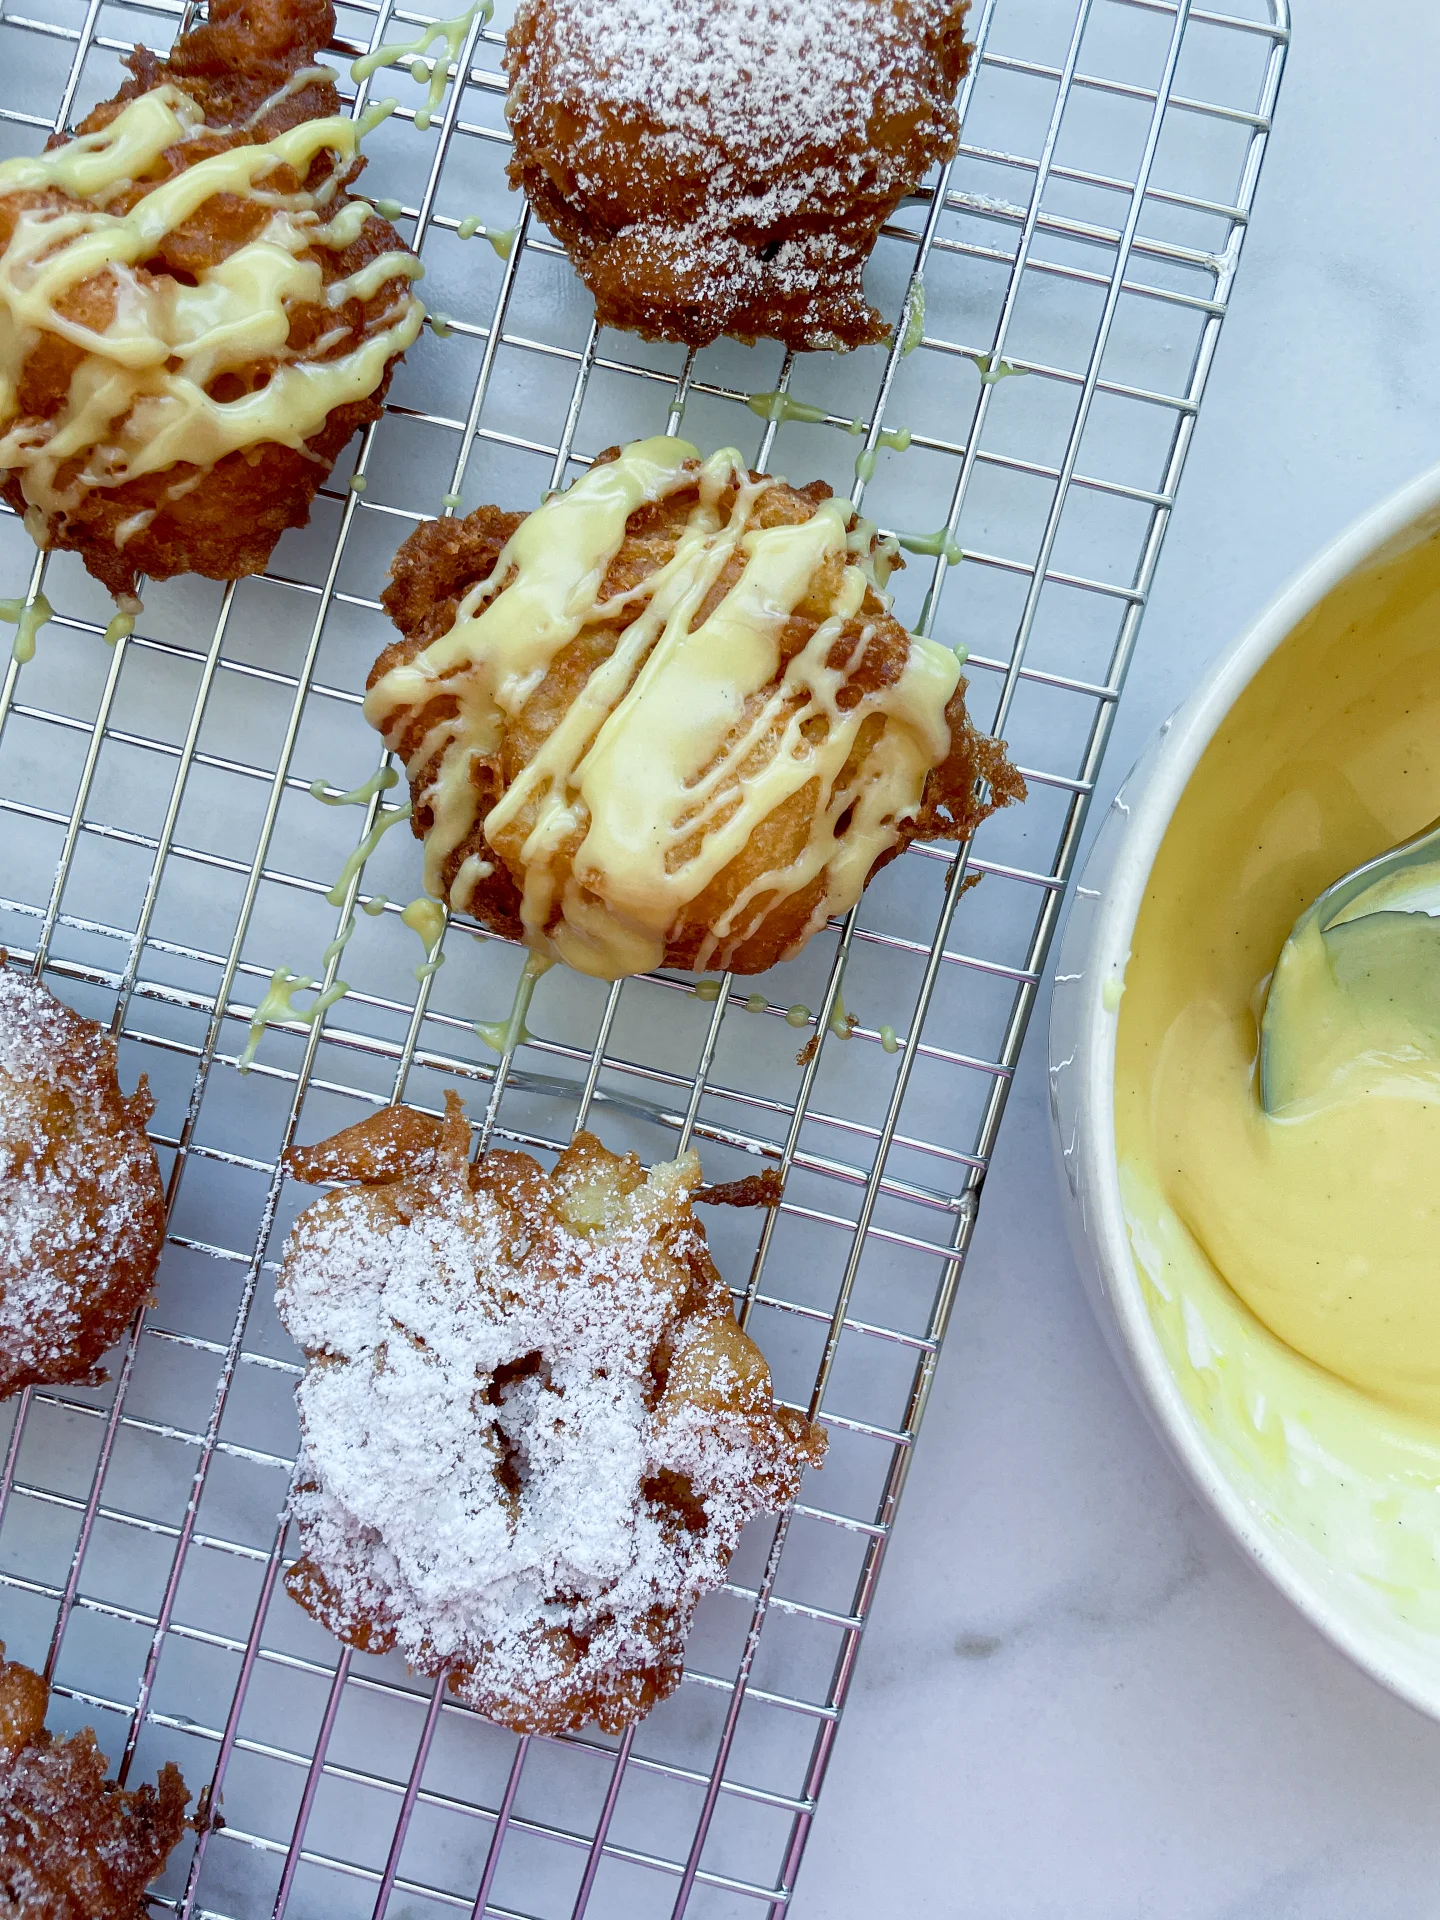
pixel 1328 1571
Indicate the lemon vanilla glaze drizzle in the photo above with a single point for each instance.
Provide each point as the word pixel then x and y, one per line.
pixel 683 740
pixel 140 397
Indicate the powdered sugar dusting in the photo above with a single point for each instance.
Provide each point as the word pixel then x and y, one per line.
pixel 787 78
pixel 731 152
pixel 494 1470
pixel 72 1842
pixel 81 1206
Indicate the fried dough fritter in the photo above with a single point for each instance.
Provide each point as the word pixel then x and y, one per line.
pixel 177 409
pixel 531 1428
pixel 565 789
pixel 725 166
pixel 74 1845
pixel 82 1205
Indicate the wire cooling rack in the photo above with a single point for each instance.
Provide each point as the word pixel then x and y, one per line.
pixel 162 856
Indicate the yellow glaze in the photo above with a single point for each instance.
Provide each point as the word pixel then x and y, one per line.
pixel 504 1036
pixel 427 918
pixel 1325 1220
pixel 1292 1264
pixel 433 73
pixel 28 617
pixel 277 1004
pixel 137 401
pixel 682 741
pixel 1353 1008
pixel 780 407
pixel 913 331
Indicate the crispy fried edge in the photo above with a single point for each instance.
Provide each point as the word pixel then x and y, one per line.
pixel 88 1074
pixel 155 1814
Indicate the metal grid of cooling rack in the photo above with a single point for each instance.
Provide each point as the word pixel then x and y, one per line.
pixel 162 856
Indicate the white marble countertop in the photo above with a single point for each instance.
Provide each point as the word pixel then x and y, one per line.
pixel 1075 1697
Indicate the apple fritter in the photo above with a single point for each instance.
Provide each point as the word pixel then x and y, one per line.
pixel 195 313
pixel 82 1205
pixel 531 1428
pixel 668 717
pixel 721 166
pixel 74 1845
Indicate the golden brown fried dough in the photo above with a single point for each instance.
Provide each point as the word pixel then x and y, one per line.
pixel 703 790
pixel 717 166
pixel 73 1845
pixel 148 464
pixel 532 1430
pixel 755 1190
pixel 82 1206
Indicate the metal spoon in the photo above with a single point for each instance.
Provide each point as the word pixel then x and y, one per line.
pixel 1358 978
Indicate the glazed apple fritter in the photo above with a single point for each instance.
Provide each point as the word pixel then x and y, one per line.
pixel 82 1206
pixel 531 1428
pixel 721 166
pixel 73 1845
pixel 668 717
pixel 195 314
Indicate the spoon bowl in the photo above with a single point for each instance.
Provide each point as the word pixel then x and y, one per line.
pixel 1357 984
pixel 1336 1508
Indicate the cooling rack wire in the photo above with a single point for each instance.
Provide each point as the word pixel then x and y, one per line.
pixel 163 856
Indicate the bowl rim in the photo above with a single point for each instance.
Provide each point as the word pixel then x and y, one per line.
pixel 1164 772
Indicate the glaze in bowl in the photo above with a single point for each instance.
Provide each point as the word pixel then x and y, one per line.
pixel 1335 1501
